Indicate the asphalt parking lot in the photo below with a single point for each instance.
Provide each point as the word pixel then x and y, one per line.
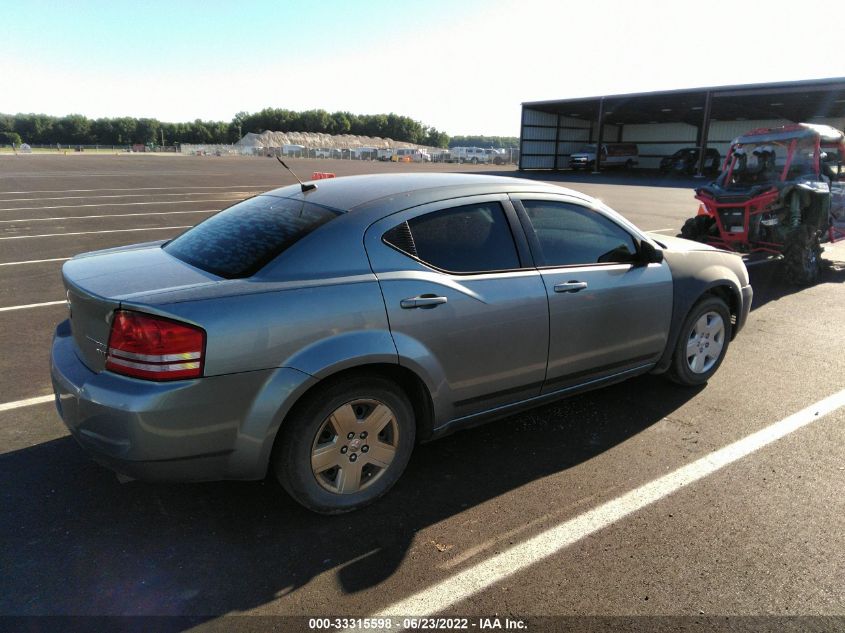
pixel 549 513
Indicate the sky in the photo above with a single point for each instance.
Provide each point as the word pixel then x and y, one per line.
pixel 461 66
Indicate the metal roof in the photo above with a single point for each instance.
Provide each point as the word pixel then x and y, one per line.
pixel 791 100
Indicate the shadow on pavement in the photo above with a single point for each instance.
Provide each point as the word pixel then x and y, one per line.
pixel 769 284
pixel 75 541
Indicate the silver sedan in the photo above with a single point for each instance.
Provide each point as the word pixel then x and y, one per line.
pixel 319 333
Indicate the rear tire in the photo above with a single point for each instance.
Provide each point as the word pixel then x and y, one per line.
pixel 802 257
pixel 702 342
pixel 346 444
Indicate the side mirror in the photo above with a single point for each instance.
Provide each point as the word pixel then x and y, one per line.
pixel 649 255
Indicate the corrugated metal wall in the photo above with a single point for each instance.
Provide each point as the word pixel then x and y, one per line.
pixel 537 147
pixel 540 131
pixel 656 140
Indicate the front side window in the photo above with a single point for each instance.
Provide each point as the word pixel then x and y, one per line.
pixel 571 235
pixel 469 239
pixel 240 240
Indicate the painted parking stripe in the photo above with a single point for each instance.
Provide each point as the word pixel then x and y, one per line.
pixel 133 195
pixel 449 592
pixel 31 305
pixel 151 228
pixel 119 204
pixel 8 406
pixel 107 215
pixel 36 261
pixel 262 187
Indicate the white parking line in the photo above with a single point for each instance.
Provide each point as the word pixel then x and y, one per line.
pixel 133 195
pixel 119 204
pixel 36 261
pixel 436 598
pixel 31 305
pixel 7 406
pixel 151 228
pixel 108 215
pixel 262 187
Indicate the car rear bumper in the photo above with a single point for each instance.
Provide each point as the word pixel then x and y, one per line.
pixel 184 430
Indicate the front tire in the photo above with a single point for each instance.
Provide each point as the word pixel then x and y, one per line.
pixel 698 228
pixel 346 444
pixel 802 257
pixel 702 342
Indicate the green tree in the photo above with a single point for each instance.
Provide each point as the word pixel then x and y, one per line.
pixel 12 138
pixel 147 131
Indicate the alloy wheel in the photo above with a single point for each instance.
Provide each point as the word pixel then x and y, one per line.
pixel 354 446
pixel 705 343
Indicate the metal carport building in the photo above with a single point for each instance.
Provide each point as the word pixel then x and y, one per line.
pixel 660 123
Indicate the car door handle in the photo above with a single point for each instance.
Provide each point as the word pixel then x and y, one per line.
pixel 571 286
pixel 424 301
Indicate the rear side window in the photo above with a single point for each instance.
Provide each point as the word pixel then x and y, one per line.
pixel 242 239
pixel 571 235
pixel 468 239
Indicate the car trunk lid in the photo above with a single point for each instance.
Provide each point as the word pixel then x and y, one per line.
pixel 97 283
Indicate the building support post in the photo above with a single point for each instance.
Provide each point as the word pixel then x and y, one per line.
pixel 705 130
pixel 520 167
pixel 557 142
pixel 597 163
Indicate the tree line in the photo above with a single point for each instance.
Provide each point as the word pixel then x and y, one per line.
pixel 77 129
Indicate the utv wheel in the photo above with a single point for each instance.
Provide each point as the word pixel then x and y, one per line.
pixel 346 445
pixel 702 342
pixel 802 257
pixel 698 228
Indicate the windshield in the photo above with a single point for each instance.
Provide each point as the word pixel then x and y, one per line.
pixel 240 240
pixel 589 149
pixel 764 161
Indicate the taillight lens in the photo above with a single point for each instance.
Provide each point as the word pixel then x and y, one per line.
pixel 153 348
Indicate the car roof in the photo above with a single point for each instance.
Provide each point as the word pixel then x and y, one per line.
pixel 355 192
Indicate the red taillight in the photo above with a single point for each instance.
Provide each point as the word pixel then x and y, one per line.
pixel 150 347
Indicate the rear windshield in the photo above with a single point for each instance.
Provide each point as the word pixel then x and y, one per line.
pixel 240 240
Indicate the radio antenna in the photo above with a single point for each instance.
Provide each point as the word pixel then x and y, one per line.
pixel 305 188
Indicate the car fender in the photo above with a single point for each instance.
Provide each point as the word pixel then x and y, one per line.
pixel 305 369
pixel 694 273
pixel 258 428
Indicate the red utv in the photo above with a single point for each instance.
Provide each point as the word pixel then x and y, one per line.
pixel 780 194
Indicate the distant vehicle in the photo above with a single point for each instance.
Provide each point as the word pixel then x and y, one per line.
pixel 384 154
pixel 318 335
pixel 293 150
pixel 496 156
pixel 412 154
pixel 612 155
pixel 472 155
pixel 685 161
pixel 364 153
pixel 327 152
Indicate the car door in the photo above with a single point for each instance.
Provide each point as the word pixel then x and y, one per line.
pixel 467 311
pixel 608 313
